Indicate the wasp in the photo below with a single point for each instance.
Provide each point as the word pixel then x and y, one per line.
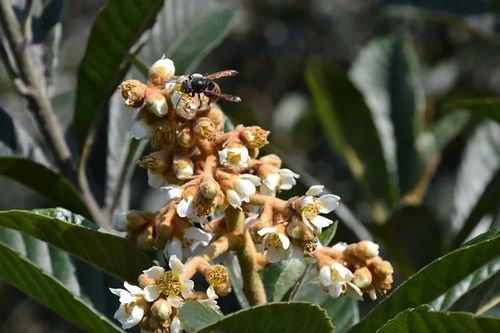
pixel 196 84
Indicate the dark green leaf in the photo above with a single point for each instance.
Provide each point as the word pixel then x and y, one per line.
pixel 433 280
pixel 40 285
pixel 117 28
pixel 477 189
pixel 194 316
pixel 484 299
pixel 44 181
pixel 298 317
pixel 386 73
pixel 114 255
pixel 186 31
pixel 351 131
pixel 422 320
pixel 447 300
pixel 328 234
pixel 280 277
pixel 484 107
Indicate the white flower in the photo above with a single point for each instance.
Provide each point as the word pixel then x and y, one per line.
pixel 211 301
pixel 173 192
pixel 185 209
pixel 155 180
pixel 162 70
pixel 244 187
pixel 168 283
pixel 157 104
pixel 311 207
pixel 276 243
pixel 183 168
pixel 284 179
pixel 129 313
pixel 193 239
pixel 336 279
pixel 340 246
pixel 234 156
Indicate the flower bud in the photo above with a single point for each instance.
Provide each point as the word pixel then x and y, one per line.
pixel 254 137
pixel 205 128
pixel 155 162
pixel 383 268
pixel 271 159
pixel 217 118
pixel 209 189
pixel 185 137
pixel 362 277
pixel 218 277
pixel 368 249
pixel 253 152
pixel 161 309
pixel 161 71
pixel 145 239
pixel 157 104
pixel 163 134
pixel 134 92
pixel 183 167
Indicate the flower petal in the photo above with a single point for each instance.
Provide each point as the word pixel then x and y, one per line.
pixel 233 198
pixel 321 222
pixel 134 318
pixel 335 290
pixel 155 180
pixel 173 247
pixel 197 234
pixel 176 265
pixel 271 180
pixel 325 276
pixel 175 325
pixel 244 187
pixel 134 290
pixel 154 272
pixel 275 255
pixel 173 192
pixel 266 230
pixel 175 301
pixel 151 293
pixel 252 178
pixel 187 288
pixel 120 314
pixel 315 190
pixel 284 241
pixel 185 207
pixel 328 202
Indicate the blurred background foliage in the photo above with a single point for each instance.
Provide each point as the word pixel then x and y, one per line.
pixel 391 104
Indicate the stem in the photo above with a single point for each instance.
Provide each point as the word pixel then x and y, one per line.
pixel 252 283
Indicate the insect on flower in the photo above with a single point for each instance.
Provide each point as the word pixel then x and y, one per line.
pixel 196 84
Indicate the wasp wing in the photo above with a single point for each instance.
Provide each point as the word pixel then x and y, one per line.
pixel 227 97
pixel 220 74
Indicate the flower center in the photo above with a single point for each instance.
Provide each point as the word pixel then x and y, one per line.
pixel 233 158
pixel 335 276
pixel 311 210
pixel 129 307
pixel 274 241
pixel 169 284
pixel 217 275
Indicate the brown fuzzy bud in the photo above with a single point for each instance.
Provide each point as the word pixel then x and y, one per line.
pixel 383 268
pixel 161 71
pixel 164 227
pixel 133 91
pixel 144 280
pixel 131 221
pixel 271 159
pixel 157 104
pixel 362 250
pixel 254 137
pixel 210 189
pixel 185 137
pixel 362 277
pixel 217 117
pixel 218 277
pixel 205 128
pixel 155 162
pixel 161 309
pixel 145 239
pixel 163 134
pixel 183 167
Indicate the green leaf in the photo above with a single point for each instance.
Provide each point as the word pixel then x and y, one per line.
pixel 423 320
pixel 328 234
pixel 386 73
pixel 116 29
pixel 484 107
pixel 297 317
pixel 44 181
pixel 433 280
pixel 447 300
pixel 186 31
pixel 114 255
pixel 350 129
pixel 280 277
pixel 40 285
pixel 194 316
pixel 477 188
